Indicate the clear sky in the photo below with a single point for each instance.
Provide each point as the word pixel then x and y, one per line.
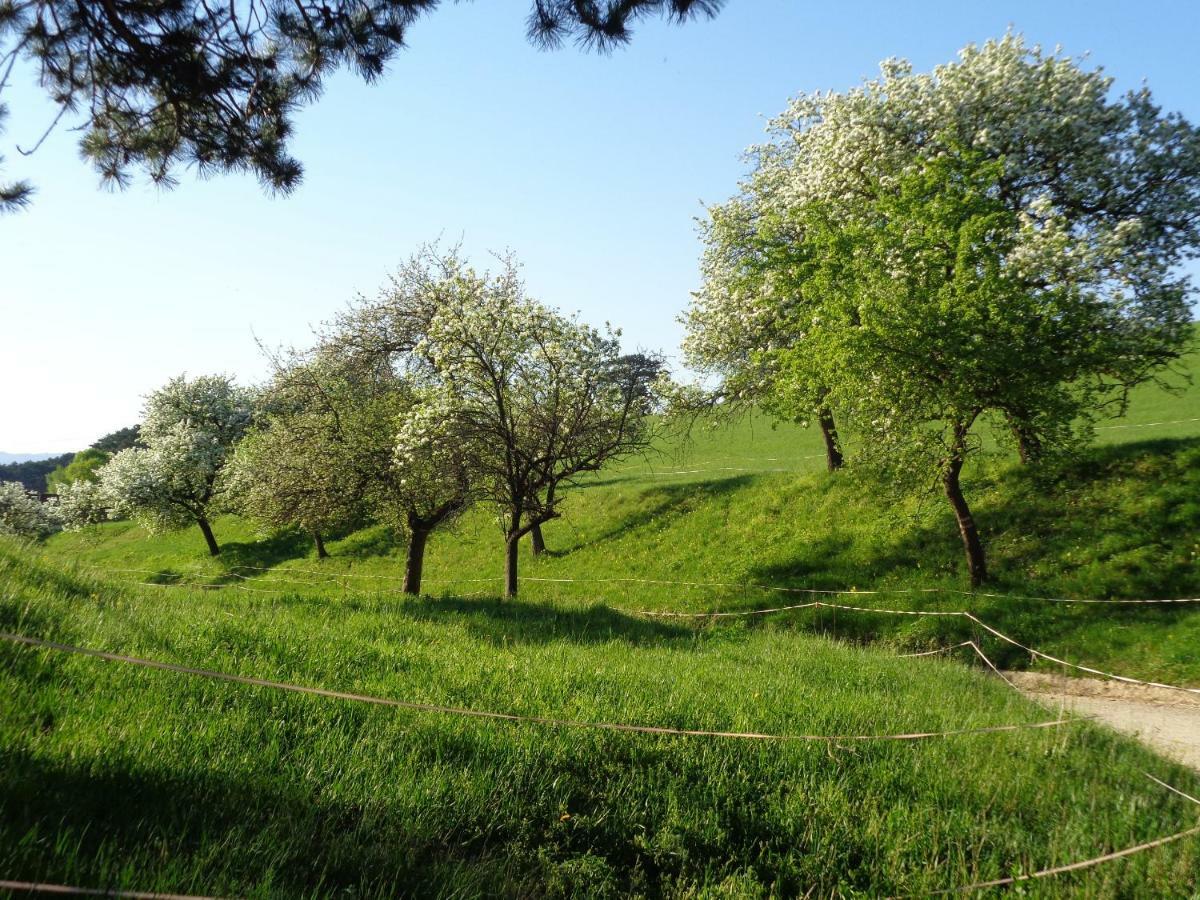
pixel 593 169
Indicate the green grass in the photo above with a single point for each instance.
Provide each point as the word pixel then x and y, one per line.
pixel 122 777
pixel 1124 522
pixel 118 776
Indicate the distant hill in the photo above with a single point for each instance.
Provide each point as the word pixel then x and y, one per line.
pixel 24 457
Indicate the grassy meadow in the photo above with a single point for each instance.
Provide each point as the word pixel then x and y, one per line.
pixel 118 776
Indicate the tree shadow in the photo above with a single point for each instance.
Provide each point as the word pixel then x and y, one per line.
pixel 1119 522
pixel 664 502
pixel 119 809
pixel 529 622
pixel 267 552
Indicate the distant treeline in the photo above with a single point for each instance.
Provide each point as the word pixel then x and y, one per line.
pixel 34 474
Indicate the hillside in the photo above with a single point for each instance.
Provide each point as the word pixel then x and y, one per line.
pixel 118 776
pixel 122 776
pixel 751 504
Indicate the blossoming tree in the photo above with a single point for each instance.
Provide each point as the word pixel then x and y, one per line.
pixel 995 241
pixel 532 397
pixel 188 432
pixel 1104 191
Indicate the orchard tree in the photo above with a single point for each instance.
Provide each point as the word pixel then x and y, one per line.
pixel 290 472
pixel 189 430
pixel 944 310
pixel 1109 178
pixel 81 503
pixel 159 85
pixel 350 394
pixel 532 397
pixel 23 514
pixel 753 269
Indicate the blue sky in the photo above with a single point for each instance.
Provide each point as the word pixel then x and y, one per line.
pixel 593 169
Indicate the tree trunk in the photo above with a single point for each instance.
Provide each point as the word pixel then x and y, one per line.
pixel 417 538
pixel 512 547
pixel 976 565
pixel 1029 447
pixel 322 553
pixel 213 549
pixel 833 447
pixel 539 542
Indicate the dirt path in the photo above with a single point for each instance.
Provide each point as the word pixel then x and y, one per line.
pixel 1168 721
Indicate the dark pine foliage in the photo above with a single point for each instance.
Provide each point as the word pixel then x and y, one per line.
pixel 163 83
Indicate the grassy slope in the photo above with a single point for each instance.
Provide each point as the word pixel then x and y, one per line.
pixel 117 776
pixel 752 504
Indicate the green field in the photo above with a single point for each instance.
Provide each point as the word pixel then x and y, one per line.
pixel 118 776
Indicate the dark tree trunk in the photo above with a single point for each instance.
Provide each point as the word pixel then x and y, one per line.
pixel 512 547
pixel 213 549
pixel 833 446
pixel 539 542
pixel 415 562
pixel 976 564
pixel 322 553
pixel 1029 446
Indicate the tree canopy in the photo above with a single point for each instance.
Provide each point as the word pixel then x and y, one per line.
pixel 995 241
pixel 160 85
pixel 188 431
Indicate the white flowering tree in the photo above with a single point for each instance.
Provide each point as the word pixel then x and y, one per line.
pixel 342 404
pixel 532 397
pixel 81 503
pixel 188 432
pixel 1105 187
pixel 23 514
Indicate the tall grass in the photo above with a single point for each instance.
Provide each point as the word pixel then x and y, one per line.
pixel 123 777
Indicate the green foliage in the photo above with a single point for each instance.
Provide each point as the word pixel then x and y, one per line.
pixel 82 467
pixel 133 779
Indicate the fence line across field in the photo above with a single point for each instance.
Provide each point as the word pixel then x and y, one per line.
pixel 517 717
pixel 67 890
pixel 821 604
pixel 334 577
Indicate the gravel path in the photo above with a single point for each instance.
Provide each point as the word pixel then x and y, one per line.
pixel 1168 721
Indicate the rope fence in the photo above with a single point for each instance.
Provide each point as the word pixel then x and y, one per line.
pixel 516 717
pixel 337 577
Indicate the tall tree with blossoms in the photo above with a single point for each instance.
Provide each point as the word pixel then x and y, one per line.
pixel 944 310
pixel 1110 185
pixel 188 432
pixel 532 397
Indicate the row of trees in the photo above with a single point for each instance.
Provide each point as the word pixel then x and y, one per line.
pixel 995 243
pixel 451 388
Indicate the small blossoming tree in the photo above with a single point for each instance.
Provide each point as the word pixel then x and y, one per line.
pixel 533 398
pixel 188 432
pixel 23 514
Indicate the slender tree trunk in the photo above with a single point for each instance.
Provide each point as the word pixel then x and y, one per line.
pixel 417 538
pixel 512 548
pixel 976 564
pixel 322 553
pixel 213 549
pixel 539 542
pixel 1029 447
pixel 833 446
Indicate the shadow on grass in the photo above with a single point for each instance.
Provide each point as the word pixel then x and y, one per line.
pixel 119 810
pixel 663 503
pixel 1121 522
pixel 526 622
